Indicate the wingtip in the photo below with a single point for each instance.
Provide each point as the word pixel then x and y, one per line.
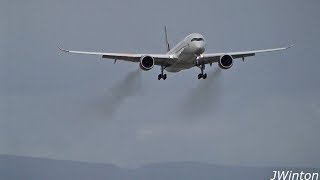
pixel 288 47
pixel 64 50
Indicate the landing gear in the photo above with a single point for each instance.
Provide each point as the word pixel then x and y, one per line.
pixel 162 76
pixel 202 75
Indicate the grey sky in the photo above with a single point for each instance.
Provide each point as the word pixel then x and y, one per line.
pixel 265 111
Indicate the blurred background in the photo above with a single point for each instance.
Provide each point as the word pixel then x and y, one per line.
pixel 261 112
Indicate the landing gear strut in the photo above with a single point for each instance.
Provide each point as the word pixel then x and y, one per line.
pixel 162 76
pixel 201 75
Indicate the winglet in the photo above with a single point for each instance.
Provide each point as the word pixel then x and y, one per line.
pixel 290 46
pixel 64 50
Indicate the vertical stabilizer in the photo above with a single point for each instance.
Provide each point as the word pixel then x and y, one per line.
pixel 166 36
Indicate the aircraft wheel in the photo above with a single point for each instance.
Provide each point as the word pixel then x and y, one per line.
pixel 159 76
pixel 164 77
pixel 199 76
pixel 205 76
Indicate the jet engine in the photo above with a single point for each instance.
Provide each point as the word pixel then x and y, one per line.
pixel 225 62
pixel 146 63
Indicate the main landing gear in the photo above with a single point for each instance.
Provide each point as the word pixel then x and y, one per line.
pixel 201 75
pixel 162 76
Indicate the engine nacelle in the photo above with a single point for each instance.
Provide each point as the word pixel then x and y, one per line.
pixel 146 63
pixel 225 62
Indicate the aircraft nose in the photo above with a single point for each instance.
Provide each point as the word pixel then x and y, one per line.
pixel 199 48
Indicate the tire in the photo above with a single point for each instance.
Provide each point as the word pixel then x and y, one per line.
pixel 205 76
pixel 164 76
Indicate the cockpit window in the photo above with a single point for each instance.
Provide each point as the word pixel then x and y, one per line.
pixel 197 39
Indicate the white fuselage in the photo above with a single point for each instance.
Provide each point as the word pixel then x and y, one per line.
pixel 187 52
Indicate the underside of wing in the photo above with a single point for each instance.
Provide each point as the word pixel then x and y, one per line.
pixel 159 59
pixel 215 57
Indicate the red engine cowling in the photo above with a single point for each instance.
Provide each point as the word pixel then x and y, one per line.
pixel 146 63
pixel 225 62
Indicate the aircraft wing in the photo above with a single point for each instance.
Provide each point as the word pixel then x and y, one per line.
pixel 212 58
pixel 160 59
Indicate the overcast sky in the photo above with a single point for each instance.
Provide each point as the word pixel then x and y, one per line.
pixel 265 111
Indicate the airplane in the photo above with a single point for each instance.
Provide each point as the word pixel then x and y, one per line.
pixel 187 54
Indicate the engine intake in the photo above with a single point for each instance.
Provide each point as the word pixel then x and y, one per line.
pixel 225 62
pixel 146 63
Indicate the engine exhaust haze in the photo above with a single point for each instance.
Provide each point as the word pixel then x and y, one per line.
pixel 125 88
pixel 204 98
